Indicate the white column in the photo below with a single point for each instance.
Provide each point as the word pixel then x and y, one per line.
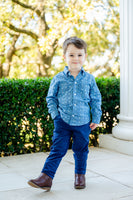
pixel 124 130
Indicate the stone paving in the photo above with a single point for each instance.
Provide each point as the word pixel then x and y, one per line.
pixel 109 177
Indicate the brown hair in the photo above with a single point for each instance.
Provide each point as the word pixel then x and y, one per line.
pixel 77 42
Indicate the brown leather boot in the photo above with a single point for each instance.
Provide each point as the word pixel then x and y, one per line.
pixel 79 181
pixel 43 181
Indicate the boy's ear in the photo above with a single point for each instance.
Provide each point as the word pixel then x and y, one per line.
pixel 64 57
pixel 86 55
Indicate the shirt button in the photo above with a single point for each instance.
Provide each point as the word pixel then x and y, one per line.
pixel 74 93
pixel 75 82
pixel 72 115
pixel 74 104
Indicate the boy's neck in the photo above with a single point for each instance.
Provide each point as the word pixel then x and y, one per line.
pixel 74 72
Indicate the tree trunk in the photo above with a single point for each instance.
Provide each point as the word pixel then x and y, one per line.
pixel 1 70
pixel 7 65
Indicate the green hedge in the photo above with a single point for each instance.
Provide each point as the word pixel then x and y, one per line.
pixel 26 125
pixel 110 91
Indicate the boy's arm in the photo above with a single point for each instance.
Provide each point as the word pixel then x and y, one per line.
pixel 52 101
pixel 95 102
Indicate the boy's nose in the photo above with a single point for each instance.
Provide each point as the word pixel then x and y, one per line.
pixel 76 58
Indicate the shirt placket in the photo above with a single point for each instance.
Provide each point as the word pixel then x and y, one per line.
pixel 74 101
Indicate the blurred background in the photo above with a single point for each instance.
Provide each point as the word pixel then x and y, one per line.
pixel 32 33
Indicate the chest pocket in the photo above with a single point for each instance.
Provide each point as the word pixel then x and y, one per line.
pixel 65 89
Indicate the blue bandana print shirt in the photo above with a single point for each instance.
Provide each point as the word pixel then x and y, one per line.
pixel 76 100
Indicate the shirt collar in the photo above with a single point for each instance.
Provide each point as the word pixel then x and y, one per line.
pixel 66 71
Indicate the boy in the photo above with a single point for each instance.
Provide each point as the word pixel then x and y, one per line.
pixel 72 96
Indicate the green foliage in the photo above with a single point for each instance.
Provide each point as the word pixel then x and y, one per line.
pixel 26 125
pixel 110 91
pixel 41 28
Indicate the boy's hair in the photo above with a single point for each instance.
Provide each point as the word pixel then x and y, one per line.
pixel 77 42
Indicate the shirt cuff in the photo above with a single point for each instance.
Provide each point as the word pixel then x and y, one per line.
pixel 54 114
pixel 96 121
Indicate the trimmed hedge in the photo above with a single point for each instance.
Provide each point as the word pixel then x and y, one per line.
pixel 26 125
pixel 110 91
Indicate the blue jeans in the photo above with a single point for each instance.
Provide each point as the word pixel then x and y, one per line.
pixel 61 139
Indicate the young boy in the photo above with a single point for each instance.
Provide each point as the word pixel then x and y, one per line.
pixel 72 96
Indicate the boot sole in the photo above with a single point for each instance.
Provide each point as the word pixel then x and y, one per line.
pixel 79 187
pixel 36 186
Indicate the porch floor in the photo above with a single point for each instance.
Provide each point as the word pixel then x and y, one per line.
pixel 109 177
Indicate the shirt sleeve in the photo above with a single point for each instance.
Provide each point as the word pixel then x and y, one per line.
pixel 52 101
pixel 95 102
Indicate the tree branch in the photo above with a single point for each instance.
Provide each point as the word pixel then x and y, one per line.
pixel 38 11
pixel 27 7
pixel 24 5
pixel 19 30
pixel 2 54
pixel 26 48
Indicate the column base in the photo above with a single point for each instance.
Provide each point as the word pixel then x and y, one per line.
pixel 124 129
pixel 107 141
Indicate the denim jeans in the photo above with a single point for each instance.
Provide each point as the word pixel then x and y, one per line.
pixel 61 139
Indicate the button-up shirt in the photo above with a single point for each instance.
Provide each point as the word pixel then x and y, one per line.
pixel 77 100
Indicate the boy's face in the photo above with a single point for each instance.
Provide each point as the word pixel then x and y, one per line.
pixel 74 57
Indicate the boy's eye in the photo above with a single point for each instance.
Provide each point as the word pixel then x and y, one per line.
pixel 73 55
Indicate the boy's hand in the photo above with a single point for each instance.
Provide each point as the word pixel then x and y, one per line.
pixel 93 126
